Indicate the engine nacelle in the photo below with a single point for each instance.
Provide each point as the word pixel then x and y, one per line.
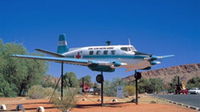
pixel 147 68
pixel 116 63
pixel 101 68
pixel 155 62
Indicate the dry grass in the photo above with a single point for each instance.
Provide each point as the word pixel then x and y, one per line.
pixel 68 101
pixel 147 99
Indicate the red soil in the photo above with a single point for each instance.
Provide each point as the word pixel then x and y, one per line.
pixel 92 106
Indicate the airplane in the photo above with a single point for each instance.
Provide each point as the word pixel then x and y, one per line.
pixel 100 58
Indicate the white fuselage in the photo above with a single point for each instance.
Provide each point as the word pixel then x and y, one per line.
pixel 122 53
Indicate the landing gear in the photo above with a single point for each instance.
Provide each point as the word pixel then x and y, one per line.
pixel 61 78
pixel 62 81
pixel 137 76
pixel 100 79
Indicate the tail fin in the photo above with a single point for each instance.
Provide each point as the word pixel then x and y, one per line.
pixel 62 44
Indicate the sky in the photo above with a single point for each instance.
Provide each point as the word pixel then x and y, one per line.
pixel 159 27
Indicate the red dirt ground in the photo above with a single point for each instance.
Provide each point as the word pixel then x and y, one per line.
pixel 30 105
pixel 144 106
pixel 130 107
pixel 91 105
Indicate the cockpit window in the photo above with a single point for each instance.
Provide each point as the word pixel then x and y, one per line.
pixel 127 48
pixel 124 48
pixel 131 48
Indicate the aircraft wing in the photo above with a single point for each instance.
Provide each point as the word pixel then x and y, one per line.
pixel 49 53
pixel 83 62
pixel 97 65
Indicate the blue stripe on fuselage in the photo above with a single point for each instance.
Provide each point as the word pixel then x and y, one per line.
pixel 113 56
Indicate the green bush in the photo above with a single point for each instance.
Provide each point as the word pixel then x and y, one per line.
pixel 193 83
pixel 152 85
pixel 37 92
pixel 48 81
pixel 6 89
pixel 110 87
pixel 129 90
pixel 68 100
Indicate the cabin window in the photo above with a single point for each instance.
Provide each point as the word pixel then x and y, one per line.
pixel 125 48
pixel 131 49
pixel 98 52
pixel 113 52
pixel 105 52
pixel 91 52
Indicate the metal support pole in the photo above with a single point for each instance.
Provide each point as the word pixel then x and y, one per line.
pixel 62 81
pixel 102 90
pixel 83 85
pixel 136 87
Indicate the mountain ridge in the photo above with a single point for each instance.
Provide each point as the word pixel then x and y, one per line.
pixel 185 72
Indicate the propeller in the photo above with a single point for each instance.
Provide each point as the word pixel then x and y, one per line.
pixel 153 59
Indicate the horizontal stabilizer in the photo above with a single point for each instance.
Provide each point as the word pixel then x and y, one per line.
pixel 49 53
pixel 161 57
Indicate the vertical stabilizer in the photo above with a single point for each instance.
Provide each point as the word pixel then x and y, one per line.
pixel 62 44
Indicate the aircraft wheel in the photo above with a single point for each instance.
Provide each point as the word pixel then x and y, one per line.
pixel 99 78
pixel 138 75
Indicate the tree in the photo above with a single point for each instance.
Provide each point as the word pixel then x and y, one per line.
pixel 172 85
pixel 34 75
pixel 49 81
pixel 5 88
pixel 87 80
pixel 156 85
pixel 70 80
pixel 110 87
pixel 143 84
pixel 19 74
pixel 150 85
pixel 193 83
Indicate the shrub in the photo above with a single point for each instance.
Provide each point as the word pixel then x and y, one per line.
pixel 48 91
pixel 151 85
pixel 193 83
pixel 6 89
pixel 37 92
pixel 129 90
pixel 110 87
pixel 68 100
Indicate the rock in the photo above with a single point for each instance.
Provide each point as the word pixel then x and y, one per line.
pixel 114 100
pixel 40 109
pixel 3 107
pixel 83 99
pixel 153 102
pixel 98 100
pixel 20 107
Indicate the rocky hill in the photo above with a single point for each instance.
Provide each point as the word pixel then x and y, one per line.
pixel 185 72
